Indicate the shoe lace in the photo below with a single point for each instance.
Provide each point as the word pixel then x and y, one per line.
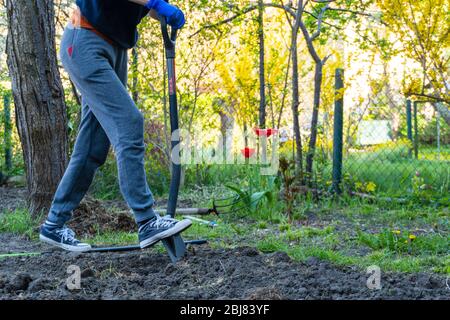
pixel 66 234
pixel 161 222
pixel 168 220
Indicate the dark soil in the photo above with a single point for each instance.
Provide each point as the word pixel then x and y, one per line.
pixel 204 274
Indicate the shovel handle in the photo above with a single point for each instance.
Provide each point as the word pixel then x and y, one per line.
pixel 169 36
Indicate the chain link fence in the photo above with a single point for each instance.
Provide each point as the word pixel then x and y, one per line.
pixel 397 151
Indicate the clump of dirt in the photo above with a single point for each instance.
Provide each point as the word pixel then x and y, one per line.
pixel 240 273
pixel 92 217
pixel 20 282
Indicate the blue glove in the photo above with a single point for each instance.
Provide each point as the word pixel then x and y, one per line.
pixel 175 16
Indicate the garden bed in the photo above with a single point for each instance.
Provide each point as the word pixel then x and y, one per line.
pixel 246 257
pixel 206 273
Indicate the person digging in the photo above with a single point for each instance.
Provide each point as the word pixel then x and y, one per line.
pixel 94 53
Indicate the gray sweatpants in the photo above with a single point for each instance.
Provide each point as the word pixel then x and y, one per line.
pixel 109 116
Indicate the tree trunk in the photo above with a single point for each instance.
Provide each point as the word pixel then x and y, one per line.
pixel 262 82
pixel 226 126
pixel 286 78
pixel 38 96
pixel 8 133
pixel 295 104
pixel 315 117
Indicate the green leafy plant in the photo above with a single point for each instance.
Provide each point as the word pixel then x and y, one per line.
pixel 366 187
pixel 420 189
pixel 251 200
pixel 254 192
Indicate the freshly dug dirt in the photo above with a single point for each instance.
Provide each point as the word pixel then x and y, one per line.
pixel 92 217
pixel 205 274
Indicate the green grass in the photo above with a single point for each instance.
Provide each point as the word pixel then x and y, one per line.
pixel 431 153
pixel 377 244
pixel 393 176
pixel 385 259
pixel 113 238
pixel 402 243
pixel 18 222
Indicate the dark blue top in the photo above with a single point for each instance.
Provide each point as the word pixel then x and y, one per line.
pixel 116 19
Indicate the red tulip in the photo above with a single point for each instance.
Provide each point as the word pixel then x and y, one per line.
pixel 248 152
pixel 271 132
pixel 259 132
pixel 265 132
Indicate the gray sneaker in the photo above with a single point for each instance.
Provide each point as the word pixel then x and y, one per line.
pixel 160 228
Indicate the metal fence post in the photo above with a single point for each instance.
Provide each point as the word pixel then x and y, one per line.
pixel 416 133
pixel 438 134
pixel 338 130
pixel 8 127
pixel 409 123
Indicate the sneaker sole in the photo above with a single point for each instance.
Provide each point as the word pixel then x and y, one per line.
pixel 179 227
pixel 64 246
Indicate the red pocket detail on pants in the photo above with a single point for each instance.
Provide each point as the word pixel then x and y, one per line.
pixel 70 51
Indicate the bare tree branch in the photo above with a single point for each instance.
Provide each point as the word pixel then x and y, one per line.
pixel 319 23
